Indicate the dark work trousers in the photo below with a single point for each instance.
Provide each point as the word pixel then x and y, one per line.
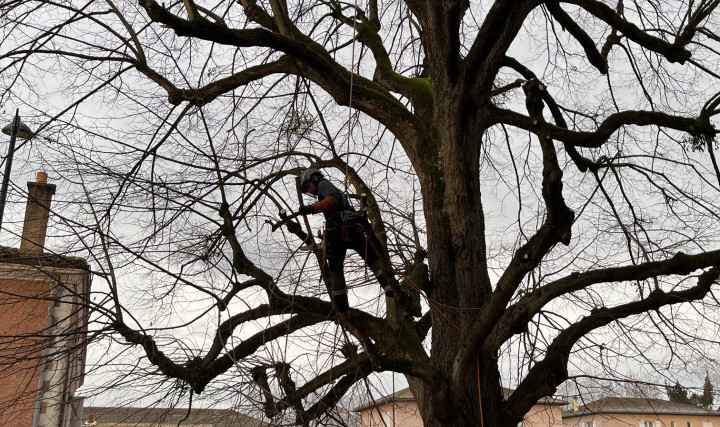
pixel 336 250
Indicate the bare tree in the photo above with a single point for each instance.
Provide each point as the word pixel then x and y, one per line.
pixel 543 173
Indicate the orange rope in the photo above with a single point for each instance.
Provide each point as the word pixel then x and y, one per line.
pixel 477 365
pixel 430 302
pixel 324 255
pixel 366 266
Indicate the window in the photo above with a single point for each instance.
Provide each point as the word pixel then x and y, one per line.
pixel 647 424
pixel 589 424
pixel 672 424
pixel 707 424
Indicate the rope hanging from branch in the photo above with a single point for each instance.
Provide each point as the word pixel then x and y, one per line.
pixel 350 100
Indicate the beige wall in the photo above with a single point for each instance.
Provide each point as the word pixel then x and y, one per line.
pixel 544 416
pixel 148 425
pixel 633 420
pixel 407 415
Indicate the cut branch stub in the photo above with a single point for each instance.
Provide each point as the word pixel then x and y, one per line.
pixel 533 100
pixel 259 376
pixel 349 350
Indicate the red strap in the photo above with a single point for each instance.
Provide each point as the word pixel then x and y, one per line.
pixel 366 265
pixel 344 232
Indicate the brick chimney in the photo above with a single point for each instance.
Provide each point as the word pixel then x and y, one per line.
pixel 37 213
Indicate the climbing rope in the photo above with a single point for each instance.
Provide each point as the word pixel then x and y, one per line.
pixel 477 368
pixel 350 100
pixel 429 301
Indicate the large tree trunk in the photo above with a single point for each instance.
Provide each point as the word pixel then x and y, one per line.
pixel 458 267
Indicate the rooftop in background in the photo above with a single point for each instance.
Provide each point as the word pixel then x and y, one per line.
pixel 156 417
pixel 636 405
pixel 554 401
pixel 405 395
pixel 40 259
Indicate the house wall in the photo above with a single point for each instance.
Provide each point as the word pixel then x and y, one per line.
pixel 407 415
pixel 23 316
pixel 26 352
pixel 167 417
pixel 633 420
pixel 148 425
pixel 66 361
pixel 544 416
pixel 404 414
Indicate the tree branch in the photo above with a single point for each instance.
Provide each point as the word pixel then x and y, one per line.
pixel 695 127
pixel 581 162
pixel 498 31
pixel 208 93
pixel 672 52
pixel 311 61
pixel 556 228
pixel 569 24
pixel 544 377
pixel 518 314
pixel 250 345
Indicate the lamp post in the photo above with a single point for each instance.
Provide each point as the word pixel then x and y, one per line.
pixel 14 129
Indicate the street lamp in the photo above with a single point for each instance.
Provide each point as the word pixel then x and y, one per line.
pixel 14 129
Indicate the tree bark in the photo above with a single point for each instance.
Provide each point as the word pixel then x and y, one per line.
pixel 458 269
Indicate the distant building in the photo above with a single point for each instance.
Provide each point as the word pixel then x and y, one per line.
pixel 397 409
pixel 43 324
pixel 161 417
pixel 639 412
pixel 400 409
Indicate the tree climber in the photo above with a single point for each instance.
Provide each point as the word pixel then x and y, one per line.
pixel 342 232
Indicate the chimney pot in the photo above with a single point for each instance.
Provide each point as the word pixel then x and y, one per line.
pixel 37 213
pixel 576 405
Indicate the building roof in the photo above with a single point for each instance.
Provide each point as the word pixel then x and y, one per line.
pixel 121 416
pixel 40 259
pixel 544 401
pixel 635 405
pixel 405 395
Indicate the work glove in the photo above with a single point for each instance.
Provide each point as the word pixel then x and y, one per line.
pixel 306 210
